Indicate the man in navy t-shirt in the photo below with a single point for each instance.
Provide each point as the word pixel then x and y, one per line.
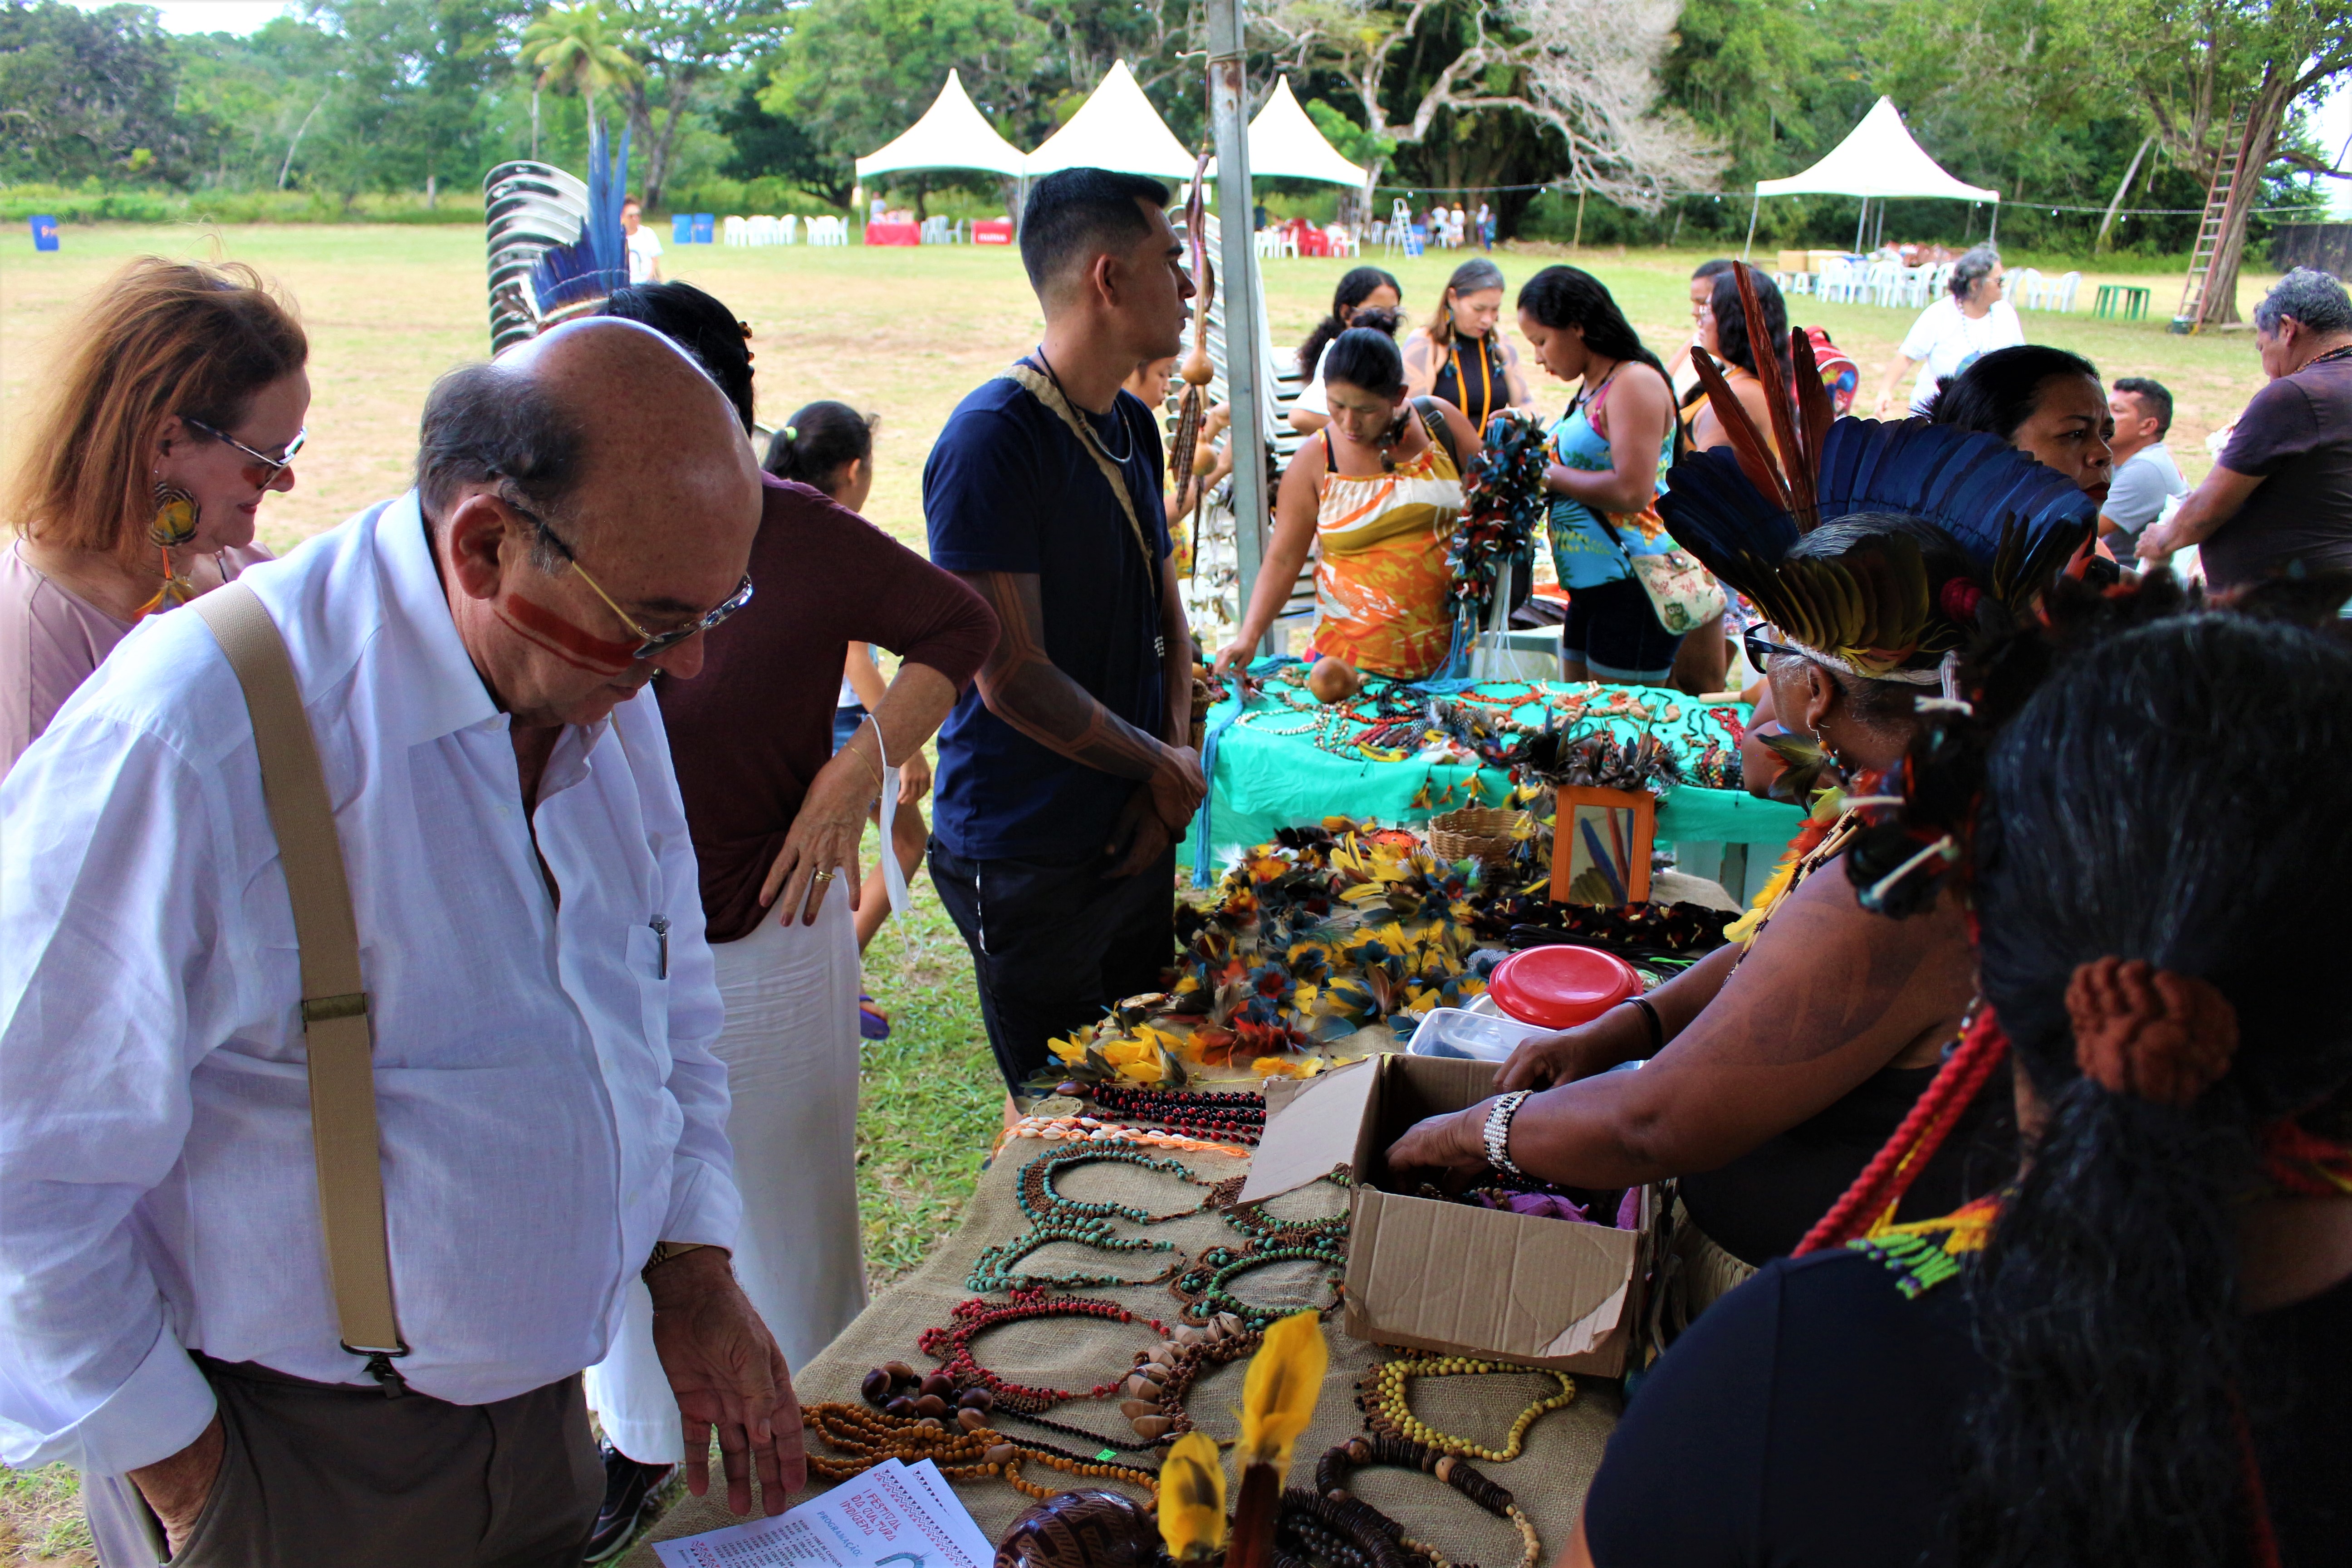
pixel 1065 777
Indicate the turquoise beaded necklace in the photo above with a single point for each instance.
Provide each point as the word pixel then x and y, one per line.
pixel 1086 1223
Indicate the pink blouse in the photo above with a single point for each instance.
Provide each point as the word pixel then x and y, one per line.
pixel 49 642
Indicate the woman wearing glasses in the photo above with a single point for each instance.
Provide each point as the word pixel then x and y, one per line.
pixel 179 406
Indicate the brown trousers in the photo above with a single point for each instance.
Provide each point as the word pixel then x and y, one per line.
pixel 319 1474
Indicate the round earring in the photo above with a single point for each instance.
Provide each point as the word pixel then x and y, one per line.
pixel 176 516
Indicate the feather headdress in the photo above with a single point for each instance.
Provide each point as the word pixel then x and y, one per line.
pixel 556 247
pixel 1871 609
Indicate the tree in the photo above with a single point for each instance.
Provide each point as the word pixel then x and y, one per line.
pixel 685 51
pixel 855 73
pixel 2219 78
pixel 1583 73
pixel 92 93
pixel 575 48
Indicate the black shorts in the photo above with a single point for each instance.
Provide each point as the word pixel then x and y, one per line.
pixel 1612 631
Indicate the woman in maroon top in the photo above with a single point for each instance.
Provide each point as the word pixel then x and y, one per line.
pixel 776 814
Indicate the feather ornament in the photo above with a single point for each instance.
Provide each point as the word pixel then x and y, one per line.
pixel 1286 1377
pixel 1192 1498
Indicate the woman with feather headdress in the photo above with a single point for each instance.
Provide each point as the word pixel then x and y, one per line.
pixel 1775 1069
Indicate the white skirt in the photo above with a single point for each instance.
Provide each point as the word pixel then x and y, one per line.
pixel 791 1049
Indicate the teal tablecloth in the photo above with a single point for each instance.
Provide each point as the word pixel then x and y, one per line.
pixel 1264 779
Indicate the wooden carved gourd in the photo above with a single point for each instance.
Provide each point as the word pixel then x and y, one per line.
pixel 1083 1530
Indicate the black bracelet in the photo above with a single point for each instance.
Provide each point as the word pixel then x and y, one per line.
pixel 1657 1026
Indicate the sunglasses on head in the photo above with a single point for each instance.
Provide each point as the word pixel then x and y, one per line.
pixel 266 467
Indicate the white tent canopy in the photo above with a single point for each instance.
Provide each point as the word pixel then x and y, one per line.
pixel 1116 128
pixel 1877 159
pixel 1284 143
pixel 951 134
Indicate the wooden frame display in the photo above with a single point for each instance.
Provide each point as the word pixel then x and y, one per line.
pixel 1588 833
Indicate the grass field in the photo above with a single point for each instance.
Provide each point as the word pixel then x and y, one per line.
pixel 904 333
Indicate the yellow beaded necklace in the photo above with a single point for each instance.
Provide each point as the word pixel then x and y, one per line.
pixel 1389 1411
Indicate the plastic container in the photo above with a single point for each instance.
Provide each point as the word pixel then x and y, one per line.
pixel 1458 1032
pixel 1561 986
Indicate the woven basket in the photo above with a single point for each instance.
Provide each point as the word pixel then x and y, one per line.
pixel 1480 833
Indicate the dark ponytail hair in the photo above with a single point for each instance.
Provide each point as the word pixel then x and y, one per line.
pixel 1731 323
pixel 1571 297
pixel 815 442
pixel 1368 357
pixel 1356 286
pixel 2134 808
pixel 1999 392
pixel 700 325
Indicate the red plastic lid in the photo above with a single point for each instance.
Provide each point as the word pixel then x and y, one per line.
pixel 1561 986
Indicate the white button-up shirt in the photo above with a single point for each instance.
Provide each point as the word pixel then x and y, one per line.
pixel 547 1102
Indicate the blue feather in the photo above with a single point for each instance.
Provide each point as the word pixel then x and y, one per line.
pixel 597 261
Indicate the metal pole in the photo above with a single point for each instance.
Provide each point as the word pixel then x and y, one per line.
pixel 1859 219
pixel 1237 282
pixel 1754 207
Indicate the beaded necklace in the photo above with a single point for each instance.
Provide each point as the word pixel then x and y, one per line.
pixel 962 1455
pixel 1162 1377
pixel 1331 1474
pixel 1227 1117
pixel 1052 1217
pixel 1093 1130
pixel 1387 1410
pixel 1204 1286
pixel 951 1345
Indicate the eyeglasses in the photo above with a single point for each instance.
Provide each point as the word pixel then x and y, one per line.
pixel 270 467
pixel 1760 648
pixel 651 644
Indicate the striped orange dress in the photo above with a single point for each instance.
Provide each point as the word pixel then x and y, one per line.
pixel 1382 585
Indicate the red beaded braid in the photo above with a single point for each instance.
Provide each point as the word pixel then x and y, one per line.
pixel 1894 1168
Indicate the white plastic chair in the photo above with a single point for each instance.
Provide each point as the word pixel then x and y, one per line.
pixel 1884 279
pixel 1343 242
pixel 788 228
pixel 2025 289
pixel 761 230
pixel 2059 294
pixel 936 231
pixel 828 229
pixel 734 231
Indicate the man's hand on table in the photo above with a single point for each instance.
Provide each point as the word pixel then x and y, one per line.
pixel 725 1368
pixel 178 1488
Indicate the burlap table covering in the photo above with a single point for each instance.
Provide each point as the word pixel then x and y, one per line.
pixel 1548 1478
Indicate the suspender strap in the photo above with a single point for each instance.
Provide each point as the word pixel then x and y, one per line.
pixel 339 1040
pixel 1043 389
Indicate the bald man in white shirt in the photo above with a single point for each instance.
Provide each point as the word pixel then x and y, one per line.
pixel 470 658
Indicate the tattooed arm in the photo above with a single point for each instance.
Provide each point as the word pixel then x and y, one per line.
pixel 1022 687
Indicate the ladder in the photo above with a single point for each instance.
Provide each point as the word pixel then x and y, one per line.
pixel 2192 315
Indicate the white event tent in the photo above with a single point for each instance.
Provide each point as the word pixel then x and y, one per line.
pixel 1877 162
pixel 1116 128
pixel 1284 143
pixel 951 134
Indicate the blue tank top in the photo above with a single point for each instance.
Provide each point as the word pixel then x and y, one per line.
pixel 1582 551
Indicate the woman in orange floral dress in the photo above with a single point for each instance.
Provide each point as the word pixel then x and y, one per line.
pixel 1380 491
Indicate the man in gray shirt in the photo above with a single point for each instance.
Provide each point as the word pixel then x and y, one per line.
pixel 2145 474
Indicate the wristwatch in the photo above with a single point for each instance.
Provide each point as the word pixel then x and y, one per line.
pixel 666 1250
pixel 1498 1132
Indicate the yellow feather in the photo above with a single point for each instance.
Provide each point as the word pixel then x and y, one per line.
pixel 1279 1396
pixel 1192 1498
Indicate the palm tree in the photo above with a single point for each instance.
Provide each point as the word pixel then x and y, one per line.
pixel 576 49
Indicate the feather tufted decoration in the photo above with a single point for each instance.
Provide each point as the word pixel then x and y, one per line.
pixel 1741 508
pixel 556 249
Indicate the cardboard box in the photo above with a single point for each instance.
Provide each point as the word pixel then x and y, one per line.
pixel 1447 1276
pixel 1795 261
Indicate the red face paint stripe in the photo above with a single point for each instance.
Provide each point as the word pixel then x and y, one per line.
pixel 561 638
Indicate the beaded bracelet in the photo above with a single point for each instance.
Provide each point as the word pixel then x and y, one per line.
pixel 1201 1287
pixel 1343 1530
pixel 1084 1222
pixel 1331 1472
pixel 951 1345
pixel 1381 1397
pixel 962 1455
pixel 1230 1117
